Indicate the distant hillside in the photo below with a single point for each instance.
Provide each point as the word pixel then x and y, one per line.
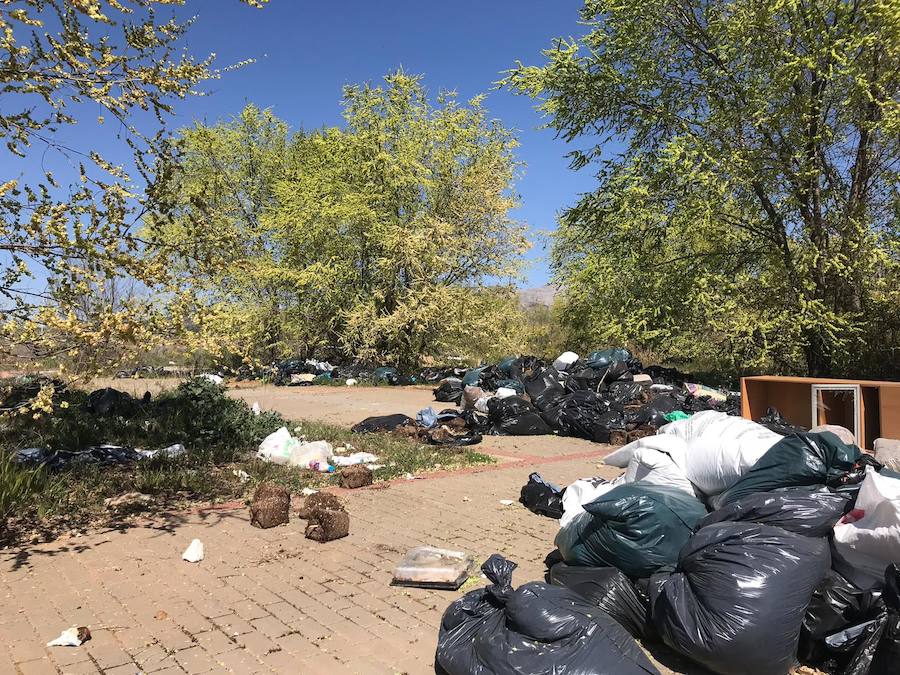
pixel 542 295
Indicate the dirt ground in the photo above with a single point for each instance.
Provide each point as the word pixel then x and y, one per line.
pixel 270 600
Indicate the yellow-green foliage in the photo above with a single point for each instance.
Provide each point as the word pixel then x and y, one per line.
pixel 750 221
pixel 65 240
pixel 388 239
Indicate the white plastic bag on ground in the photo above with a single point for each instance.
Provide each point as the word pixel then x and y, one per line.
pixel 276 447
pixel 71 637
pixel 720 448
pixel 305 455
pixel 506 392
pixel 215 379
pixel 565 360
pixel 355 458
pixel 581 492
pixel 870 539
pixel 657 468
pixel 194 552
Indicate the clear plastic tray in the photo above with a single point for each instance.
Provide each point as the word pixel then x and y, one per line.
pixel 427 567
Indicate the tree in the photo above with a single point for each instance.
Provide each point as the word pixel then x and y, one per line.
pixel 387 239
pixel 59 242
pixel 222 253
pixel 751 218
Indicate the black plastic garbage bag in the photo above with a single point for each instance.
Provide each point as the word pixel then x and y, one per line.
pixel 878 652
pixel 536 629
pixel 636 527
pixel 381 423
pixel 515 416
pixel 812 514
pixel 611 591
pixel 579 414
pixel 449 390
pixel 653 413
pixel 794 461
pixel 625 392
pixel 110 401
pixel 541 497
pixel 544 387
pixel 738 595
pixel 836 604
pixel 100 455
pixel 775 421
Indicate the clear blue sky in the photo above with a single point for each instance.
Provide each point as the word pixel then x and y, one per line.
pixel 307 51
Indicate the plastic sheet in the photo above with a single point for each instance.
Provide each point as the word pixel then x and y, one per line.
pixel 636 527
pixel 737 598
pixel 795 461
pixel 535 629
pixel 541 497
pixel 428 567
pixel 812 514
pixel 611 591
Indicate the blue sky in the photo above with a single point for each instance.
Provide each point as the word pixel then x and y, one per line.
pixel 306 52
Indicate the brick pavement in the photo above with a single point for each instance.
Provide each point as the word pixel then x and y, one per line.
pixel 268 600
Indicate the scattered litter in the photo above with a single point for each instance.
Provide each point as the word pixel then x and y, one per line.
pixel 215 379
pixel 161 616
pixel 466 499
pixel 355 458
pixel 242 475
pixel 427 567
pixel 280 447
pixel 306 492
pixel 71 637
pixel 172 451
pixel 194 552
pixel 352 382
pixel 255 408
pixel 507 502
pixel 270 507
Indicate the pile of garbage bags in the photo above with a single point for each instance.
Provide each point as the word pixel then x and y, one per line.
pixel 448 427
pixel 605 397
pixel 741 549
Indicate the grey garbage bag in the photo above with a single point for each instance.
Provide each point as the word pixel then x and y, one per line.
pixel 611 591
pixel 737 598
pixel 536 629
pixel 813 514
pixel 636 527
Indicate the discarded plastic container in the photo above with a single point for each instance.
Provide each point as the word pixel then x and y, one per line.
pixel 427 567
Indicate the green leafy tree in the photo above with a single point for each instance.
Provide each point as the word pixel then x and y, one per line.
pixel 387 239
pixel 751 218
pixel 64 236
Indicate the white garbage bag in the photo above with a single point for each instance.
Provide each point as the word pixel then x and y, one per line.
pixel 581 492
pixel 867 539
pixel 720 448
pixel 657 468
pixel 565 360
pixel 673 446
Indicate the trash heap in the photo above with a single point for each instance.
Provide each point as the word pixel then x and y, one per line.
pixel 606 397
pixel 742 549
pixel 306 372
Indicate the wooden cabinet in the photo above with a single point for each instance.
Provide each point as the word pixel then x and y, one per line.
pixel 874 405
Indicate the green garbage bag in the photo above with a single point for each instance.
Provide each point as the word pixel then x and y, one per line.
pixel 797 460
pixel 473 377
pixel 638 528
pixel 505 366
pixel 603 357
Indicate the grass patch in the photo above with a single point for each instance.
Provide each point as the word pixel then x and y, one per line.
pixel 221 435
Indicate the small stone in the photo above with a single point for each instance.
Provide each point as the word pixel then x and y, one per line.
pixel 160 616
